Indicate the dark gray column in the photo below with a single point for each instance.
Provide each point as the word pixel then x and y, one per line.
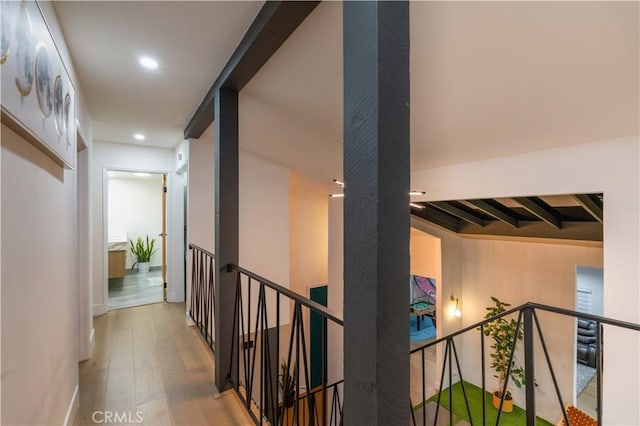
pixel 376 214
pixel 226 161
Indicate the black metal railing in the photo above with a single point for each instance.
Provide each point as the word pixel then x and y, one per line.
pixel 271 358
pixel 527 320
pixel 202 299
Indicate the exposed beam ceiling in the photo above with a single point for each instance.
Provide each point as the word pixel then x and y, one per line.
pixel 458 212
pixel 541 210
pixel 551 217
pixel 496 210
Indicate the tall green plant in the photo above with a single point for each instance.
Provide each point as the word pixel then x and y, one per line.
pixel 142 251
pixel 287 385
pixel 504 332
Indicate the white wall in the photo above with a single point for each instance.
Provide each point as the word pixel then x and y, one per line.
pixel 135 210
pixel 591 279
pixel 264 224
pixel 200 199
pixel 201 190
pixel 112 156
pixel 40 197
pixel 85 140
pixel 611 167
pixel 39 287
pixel 263 213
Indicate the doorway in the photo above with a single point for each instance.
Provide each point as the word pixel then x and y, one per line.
pixel 136 224
pixel 589 300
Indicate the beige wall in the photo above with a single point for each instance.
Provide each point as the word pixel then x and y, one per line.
pixel 308 230
pixel 201 193
pixel 610 166
pixel 44 221
pixel 200 200
pixel 519 272
pixel 39 286
pixel 515 272
pixel 424 252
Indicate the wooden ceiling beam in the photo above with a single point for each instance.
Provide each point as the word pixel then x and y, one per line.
pixel 540 209
pixel 457 212
pixel 591 204
pixel 496 210
pixel 435 216
pixel 273 25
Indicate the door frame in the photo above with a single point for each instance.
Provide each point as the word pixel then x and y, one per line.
pixel 105 223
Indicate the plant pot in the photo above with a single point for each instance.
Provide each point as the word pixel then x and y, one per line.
pixel 143 266
pixel 507 407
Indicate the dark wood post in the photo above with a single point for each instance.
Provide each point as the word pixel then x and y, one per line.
pixel 376 214
pixel 226 245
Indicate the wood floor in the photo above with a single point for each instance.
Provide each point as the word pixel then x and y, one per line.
pixel 148 366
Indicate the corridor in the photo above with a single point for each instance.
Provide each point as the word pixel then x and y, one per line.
pixel 148 367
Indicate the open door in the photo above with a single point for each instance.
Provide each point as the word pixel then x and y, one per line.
pixel 318 329
pixel 164 237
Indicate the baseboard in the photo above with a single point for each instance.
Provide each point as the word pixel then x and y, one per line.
pixel 73 408
pixel 190 322
pixel 100 309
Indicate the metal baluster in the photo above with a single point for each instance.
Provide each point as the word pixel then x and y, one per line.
pixel 464 392
pixel 506 381
pixel 484 408
pixel 553 374
pixel 277 352
pixel 424 390
pixel 599 353
pixel 444 363
pixel 529 367
pixel 450 385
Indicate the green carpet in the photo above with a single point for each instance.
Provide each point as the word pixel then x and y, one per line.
pixel 474 395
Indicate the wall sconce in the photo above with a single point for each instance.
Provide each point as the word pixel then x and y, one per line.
pixel 455 307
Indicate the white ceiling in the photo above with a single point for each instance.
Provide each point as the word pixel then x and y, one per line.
pixel 192 42
pixel 487 78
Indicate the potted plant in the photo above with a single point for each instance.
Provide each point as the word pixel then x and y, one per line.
pixel 503 332
pixel 287 384
pixel 142 251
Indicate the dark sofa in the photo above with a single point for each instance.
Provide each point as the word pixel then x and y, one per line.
pixel 587 331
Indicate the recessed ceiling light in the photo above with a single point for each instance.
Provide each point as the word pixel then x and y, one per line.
pixel 148 62
pixel 138 136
